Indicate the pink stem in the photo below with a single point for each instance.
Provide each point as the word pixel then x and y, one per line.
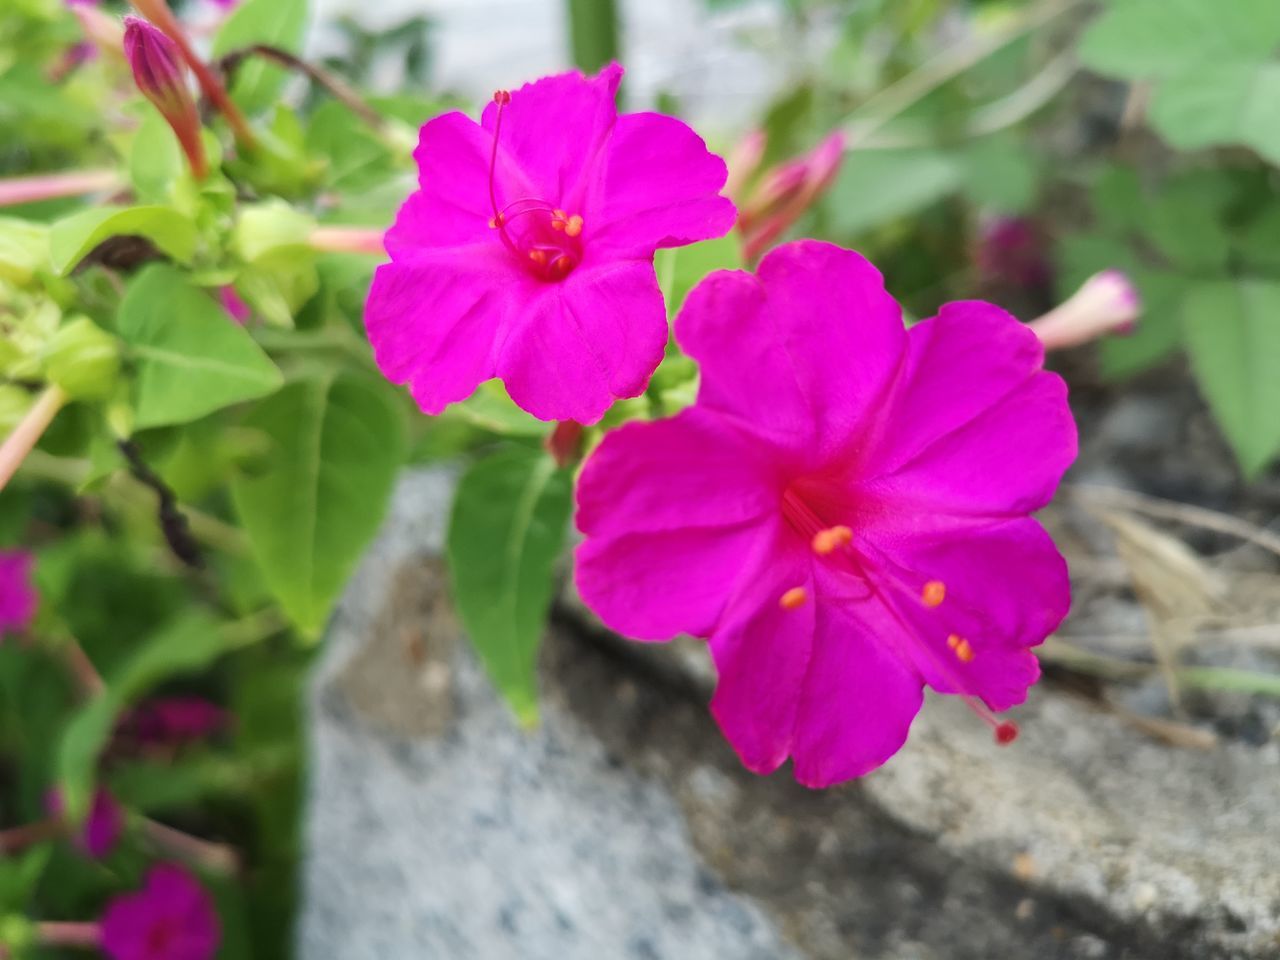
pixel 62 934
pixel 204 854
pixel 29 834
pixel 82 668
pixel 28 431
pixel 347 240
pixel 47 186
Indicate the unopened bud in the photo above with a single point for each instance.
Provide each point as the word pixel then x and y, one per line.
pixel 743 161
pixel 1108 302
pixel 159 73
pixel 786 192
pixel 82 359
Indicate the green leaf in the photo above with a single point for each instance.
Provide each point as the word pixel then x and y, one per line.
pixel 1185 222
pixel 680 269
pixel 490 408
pixel 279 23
pixel 875 186
pixel 186 645
pixel 1144 39
pixel 1221 103
pixel 192 359
pixel 1001 173
pixel 315 503
pixel 75 237
pixel 24 249
pixel 1233 338
pixel 155 159
pixel 505 535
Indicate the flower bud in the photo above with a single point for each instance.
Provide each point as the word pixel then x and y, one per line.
pixel 159 73
pixel 743 161
pixel 786 192
pixel 1108 302
pixel 82 359
pixel 1012 252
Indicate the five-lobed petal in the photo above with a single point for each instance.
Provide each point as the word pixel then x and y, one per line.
pixel 818 411
pixel 527 251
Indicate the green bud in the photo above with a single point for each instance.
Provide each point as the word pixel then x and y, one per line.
pixel 17 933
pixel 83 359
pixel 267 227
pixel 14 404
pixel 24 249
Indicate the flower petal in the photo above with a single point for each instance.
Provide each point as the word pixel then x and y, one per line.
pixel 1005 590
pixel 692 470
pixel 654 585
pixel 555 129
pixel 859 695
pixel 660 188
pixel 451 206
pixel 593 338
pixel 433 319
pixel 979 427
pixel 761 652
pixel 821 338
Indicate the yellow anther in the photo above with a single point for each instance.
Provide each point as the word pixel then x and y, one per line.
pixel 934 592
pixel 960 646
pixel 795 597
pixel 831 539
pixel 496 222
pixel 574 225
pixel 539 257
pixel 558 219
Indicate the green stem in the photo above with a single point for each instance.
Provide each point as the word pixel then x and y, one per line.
pixel 593 32
pixel 898 97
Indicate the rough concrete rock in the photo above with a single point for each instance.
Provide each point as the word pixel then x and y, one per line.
pixel 624 827
pixel 437 828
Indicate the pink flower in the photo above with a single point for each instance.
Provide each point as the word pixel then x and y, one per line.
pixel 235 306
pixel 175 720
pixel 160 75
pixel 1013 251
pixel 101 829
pixel 843 512
pixel 170 918
pixel 18 598
pixel 527 252
pixel 1107 303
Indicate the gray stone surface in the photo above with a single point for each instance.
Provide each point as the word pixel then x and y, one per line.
pixel 624 827
pixel 439 829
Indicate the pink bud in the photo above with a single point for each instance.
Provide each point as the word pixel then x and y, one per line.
pixel 743 161
pixel 786 192
pixel 158 71
pixel 1012 252
pixel 1108 302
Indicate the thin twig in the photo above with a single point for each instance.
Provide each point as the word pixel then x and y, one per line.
pixel 895 99
pixel 1185 513
pixel 173 523
pixel 338 88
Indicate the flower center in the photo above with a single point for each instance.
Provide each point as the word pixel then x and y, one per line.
pixel 833 544
pixel 544 239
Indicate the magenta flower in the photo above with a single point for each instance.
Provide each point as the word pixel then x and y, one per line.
pixel 170 918
pixel 101 829
pixel 234 304
pixel 175 720
pixel 843 513
pixel 527 252
pixel 160 75
pixel 18 597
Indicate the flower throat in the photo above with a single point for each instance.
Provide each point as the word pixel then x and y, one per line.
pixel 542 237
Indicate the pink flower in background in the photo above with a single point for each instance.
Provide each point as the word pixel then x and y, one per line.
pixel 172 720
pixel 527 252
pixel 1013 251
pixel 231 302
pixel 170 918
pixel 101 829
pixel 18 597
pixel 1106 303
pixel 843 513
